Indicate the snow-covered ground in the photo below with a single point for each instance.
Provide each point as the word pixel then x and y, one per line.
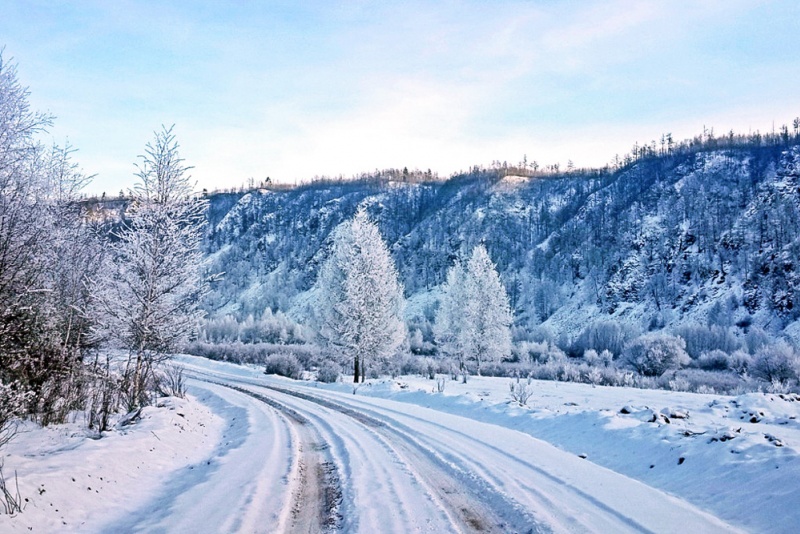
pixel 736 457
pixel 252 453
pixel 72 483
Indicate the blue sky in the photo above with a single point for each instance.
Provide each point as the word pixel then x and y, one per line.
pixel 301 88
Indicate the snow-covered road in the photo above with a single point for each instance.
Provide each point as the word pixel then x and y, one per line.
pixel 234 490
pixel 385 466
pixel 247 452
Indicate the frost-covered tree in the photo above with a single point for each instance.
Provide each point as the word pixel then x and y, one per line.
pixel 151 299
pixel 449 325
pixel 487 315
pixel 655 353
pixel 23 239
pixel 778 362
pixel 359 305
pixel 474 317
pixel 46 252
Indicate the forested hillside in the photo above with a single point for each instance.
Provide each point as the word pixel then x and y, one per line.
pixel 704 235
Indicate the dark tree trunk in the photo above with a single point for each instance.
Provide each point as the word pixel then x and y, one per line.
pixel 356 370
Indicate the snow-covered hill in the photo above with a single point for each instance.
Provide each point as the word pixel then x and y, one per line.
pixel 705 237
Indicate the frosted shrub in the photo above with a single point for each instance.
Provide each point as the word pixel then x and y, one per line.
pixel 283 364
pixel 777 362
pixel 497 369
pixel 258 353
pixel 604 359
pixel 723 382
pixel 779 387
pixel 170 381
pixel 429 365
pixel 328 372
pixel 531 351
pixel 654 354
pixel 13 400
pixel 679 384
pixel 755 339
pixel 740 361
pixel 569 372
pixel 554 355
pixel 594 376
pixel 410 364
pixel 418 345
pixel 628 380
pixel 714 360
pixel 519 392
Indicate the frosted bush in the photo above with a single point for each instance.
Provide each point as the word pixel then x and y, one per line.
pixel 778 362
pixel 679 384
pixel 590 356
pixel 779 387
pixel 531 351
pixel 594 376
pixel 416 341
pixel 258 353
pixel 430 367
pixel 519 392
pixel 283 364
pixel 714 360
pixel 13 400
pixel 569 372
pixel 328 372
pixel 604 359
pixel 740 361
pixel 755 339
pixel 654 354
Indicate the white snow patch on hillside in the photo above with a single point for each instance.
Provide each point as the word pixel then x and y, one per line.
pixel 510 183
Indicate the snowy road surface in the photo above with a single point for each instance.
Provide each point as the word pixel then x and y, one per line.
pixel 251 453
pixel 296 458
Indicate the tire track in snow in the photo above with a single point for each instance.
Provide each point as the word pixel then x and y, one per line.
pixel 234 488
pixel 316 488
pixel 560 486
pixel 461 494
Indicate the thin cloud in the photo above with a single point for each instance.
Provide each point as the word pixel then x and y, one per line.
pixel 291 90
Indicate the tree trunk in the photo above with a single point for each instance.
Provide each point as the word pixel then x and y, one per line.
pixel 356 371
pixel 137 373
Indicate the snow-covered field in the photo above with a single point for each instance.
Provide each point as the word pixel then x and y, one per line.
pixel 252 453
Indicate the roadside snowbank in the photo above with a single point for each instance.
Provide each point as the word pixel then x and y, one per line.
pixel 73 483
